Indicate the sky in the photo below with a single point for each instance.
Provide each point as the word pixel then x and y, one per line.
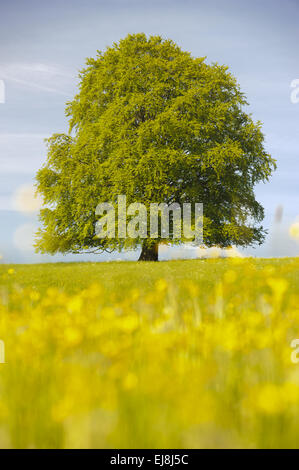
pixel 43 45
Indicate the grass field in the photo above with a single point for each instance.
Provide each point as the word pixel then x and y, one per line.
pixel 176 354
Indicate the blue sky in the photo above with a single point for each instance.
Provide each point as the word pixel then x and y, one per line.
pixel 44 44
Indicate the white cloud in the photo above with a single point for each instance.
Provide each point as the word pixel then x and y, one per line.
pixel 5 203
pixel 25 200
pixel 38 76
pixel 2 92
pixel 23 237
pixel 22 153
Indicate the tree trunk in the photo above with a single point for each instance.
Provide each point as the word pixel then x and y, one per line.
pixel 149 251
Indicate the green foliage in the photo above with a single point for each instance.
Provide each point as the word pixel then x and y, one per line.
pixel 153 123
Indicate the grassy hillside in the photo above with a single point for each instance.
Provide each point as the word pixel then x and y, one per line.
pixel 173 354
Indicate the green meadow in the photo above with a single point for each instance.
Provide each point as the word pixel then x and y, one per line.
pixel 119 276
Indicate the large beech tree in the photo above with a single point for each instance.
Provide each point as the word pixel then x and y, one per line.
pixel 155 124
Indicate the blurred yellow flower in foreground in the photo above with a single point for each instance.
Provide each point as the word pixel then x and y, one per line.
pixel 172 363
pixel 161 285
pixel 278 286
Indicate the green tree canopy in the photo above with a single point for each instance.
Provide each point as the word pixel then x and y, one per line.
pixel 157 125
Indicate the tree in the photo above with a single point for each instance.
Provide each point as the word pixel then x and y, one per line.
pixel 155 124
